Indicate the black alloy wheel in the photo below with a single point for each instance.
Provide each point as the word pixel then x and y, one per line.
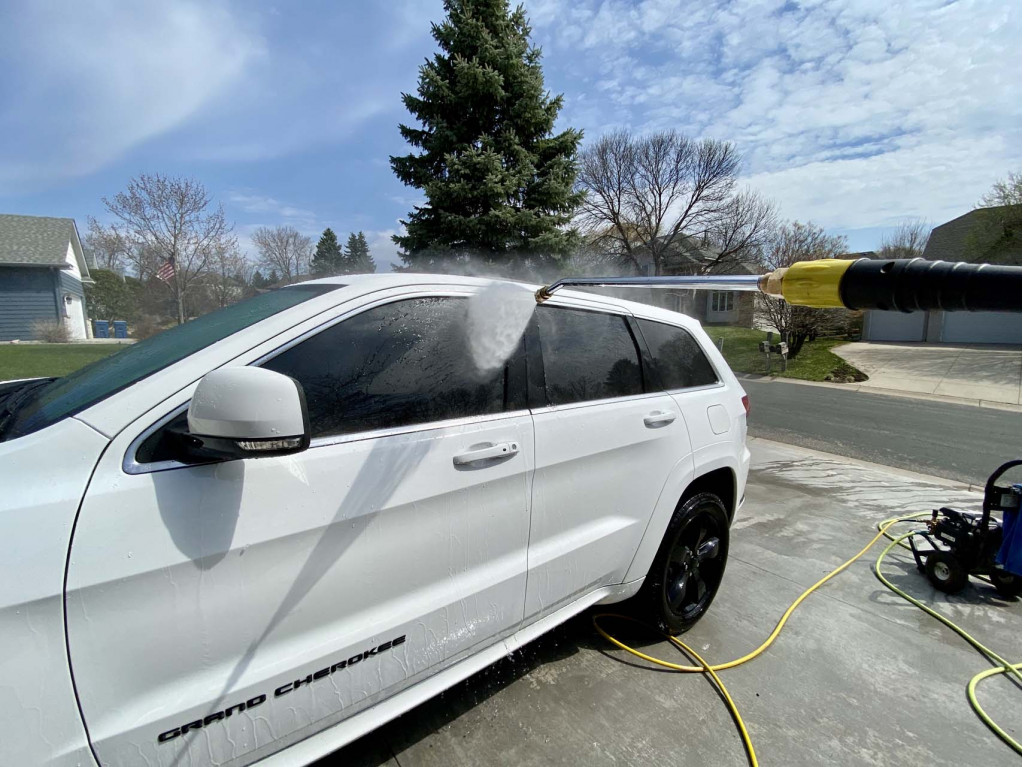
pixel 689 566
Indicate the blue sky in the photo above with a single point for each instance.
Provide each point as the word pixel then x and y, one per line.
pixel 852 115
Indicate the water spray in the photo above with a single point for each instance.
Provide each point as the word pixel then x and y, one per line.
pixel 898 285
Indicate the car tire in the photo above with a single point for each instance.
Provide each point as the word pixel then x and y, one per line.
pixel 945 572
pixel 688 568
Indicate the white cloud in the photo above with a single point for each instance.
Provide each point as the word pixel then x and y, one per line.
pixel 851 113
pixel 383 248
pixel 249 202
pixel 92 81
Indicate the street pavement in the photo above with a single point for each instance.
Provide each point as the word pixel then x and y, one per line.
pixel 858 676
pixel 983 374
pixel 959 442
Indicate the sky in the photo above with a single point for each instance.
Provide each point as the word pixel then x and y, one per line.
pixel 853 115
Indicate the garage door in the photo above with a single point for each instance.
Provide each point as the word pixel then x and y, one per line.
pixel 894 326
pixel 981 328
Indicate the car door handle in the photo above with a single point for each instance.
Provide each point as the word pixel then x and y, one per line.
pixel 486 452
pixel 663 418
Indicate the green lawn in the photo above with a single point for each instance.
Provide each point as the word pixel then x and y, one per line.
pixel 814 362
pixel 37 360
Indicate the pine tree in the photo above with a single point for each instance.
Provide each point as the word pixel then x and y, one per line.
pixel 357 255
pixel 328 259
pixel 498 182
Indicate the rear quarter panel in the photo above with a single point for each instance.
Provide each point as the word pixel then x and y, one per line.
pixel 711 450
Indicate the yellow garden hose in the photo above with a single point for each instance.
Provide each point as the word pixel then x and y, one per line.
pixel 981 712
pixel 703 667
pixel 1003 666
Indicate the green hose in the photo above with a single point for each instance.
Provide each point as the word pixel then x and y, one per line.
pixel 1002 666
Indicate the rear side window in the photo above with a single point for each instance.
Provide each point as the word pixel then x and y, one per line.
pixel 679 362
pixel 399 364
pixel 587 356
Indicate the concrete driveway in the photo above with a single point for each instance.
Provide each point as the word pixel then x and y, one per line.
pixel 858 677
pixel 985 374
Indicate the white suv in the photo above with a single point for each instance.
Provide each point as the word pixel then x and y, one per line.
pixel 272 529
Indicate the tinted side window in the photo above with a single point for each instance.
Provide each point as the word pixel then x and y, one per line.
pixel 679 361
pixel 587 356
pixel 398 364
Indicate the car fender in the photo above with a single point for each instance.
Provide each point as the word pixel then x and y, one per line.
pixel 44 476
pixel 716 456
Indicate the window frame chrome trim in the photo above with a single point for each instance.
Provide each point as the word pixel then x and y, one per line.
pixel 596 402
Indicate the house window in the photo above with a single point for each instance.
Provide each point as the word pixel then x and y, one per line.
pixel 721 301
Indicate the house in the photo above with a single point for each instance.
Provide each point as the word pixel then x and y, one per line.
pixel 42 272
pixel 984 234
pixel 714 307
pixel 988 235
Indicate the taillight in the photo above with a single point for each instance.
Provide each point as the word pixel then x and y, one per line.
pixel 746 404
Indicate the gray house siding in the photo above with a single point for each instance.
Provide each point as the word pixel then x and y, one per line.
pixel 69 284
pixel 27 295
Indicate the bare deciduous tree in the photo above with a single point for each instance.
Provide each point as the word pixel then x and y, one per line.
pixel 995 235
pixel 283 249
pixel 906 241
pixel 170 219
pixel 108 247
pixel 643 194
pixel 788 244
pixel 1003 192
pixel 229 275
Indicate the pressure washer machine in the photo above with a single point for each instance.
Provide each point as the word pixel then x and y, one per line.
pixel 964 543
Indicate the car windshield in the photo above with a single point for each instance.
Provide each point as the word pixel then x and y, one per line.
pixel 87 386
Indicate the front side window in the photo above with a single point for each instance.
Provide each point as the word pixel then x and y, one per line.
pixel 587 356
pixel 678 359
pixel 399 364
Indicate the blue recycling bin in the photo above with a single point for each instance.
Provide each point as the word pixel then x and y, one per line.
pixel 101 329
pixel 120 329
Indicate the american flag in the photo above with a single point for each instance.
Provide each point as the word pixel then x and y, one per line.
pixel 166 271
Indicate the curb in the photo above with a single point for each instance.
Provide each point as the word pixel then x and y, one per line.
pixel 884 392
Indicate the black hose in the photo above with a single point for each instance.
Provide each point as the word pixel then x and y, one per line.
pixel 914 284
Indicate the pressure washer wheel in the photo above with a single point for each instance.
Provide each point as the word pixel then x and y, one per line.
pixel 688 568
pixel 1007 584
pixel 945 571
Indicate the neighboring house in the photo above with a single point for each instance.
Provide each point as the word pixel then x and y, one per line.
pixel 989 235
pixel 958 240
pixel 42 271
pixel 685 256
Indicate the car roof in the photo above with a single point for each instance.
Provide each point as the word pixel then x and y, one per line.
pixel 369 282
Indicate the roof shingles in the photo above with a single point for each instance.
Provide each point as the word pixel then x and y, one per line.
pixel 40 241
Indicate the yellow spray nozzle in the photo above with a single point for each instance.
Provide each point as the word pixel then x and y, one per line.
pixel 814 283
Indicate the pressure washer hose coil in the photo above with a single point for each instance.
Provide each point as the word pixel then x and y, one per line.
pixel 1002 666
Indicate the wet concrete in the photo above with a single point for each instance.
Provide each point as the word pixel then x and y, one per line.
pixel 858 677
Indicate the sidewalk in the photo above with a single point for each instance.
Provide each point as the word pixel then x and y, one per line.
pixel 990 374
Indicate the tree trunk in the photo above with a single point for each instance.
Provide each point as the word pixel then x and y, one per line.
pixel 796 343
pixel 180 296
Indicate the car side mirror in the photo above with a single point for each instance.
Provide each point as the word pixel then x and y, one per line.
pixel 245 412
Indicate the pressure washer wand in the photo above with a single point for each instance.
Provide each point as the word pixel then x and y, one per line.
pixel 898 285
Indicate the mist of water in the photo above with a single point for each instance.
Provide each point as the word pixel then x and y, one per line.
pixel 496 319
